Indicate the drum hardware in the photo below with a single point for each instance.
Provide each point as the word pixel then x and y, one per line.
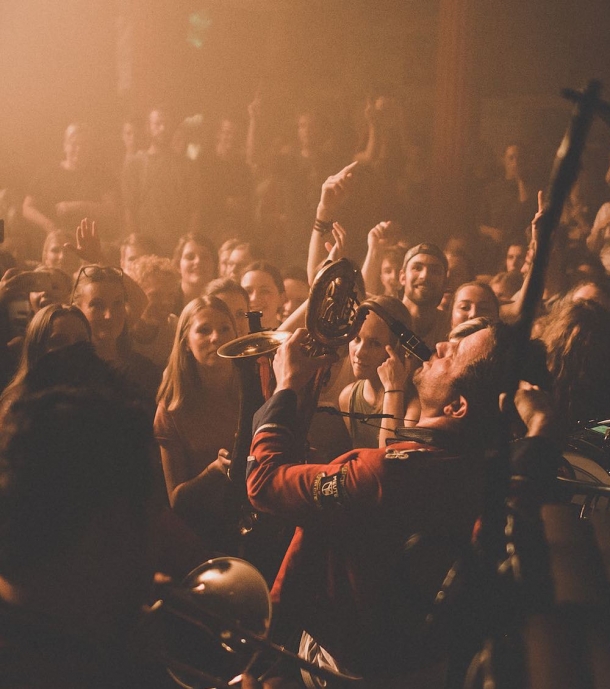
pixel 588 455
pixel 584 487
pixel 592 494
pixel 593 441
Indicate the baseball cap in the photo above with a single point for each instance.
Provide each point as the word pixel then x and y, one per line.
pixel 424 248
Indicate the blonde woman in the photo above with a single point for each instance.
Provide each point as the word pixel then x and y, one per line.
pixel 196 420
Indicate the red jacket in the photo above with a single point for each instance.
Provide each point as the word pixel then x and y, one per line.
pixel 378 529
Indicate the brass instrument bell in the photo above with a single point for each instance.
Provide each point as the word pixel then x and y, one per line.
pixel 253 345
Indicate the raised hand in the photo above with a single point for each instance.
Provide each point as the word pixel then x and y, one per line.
pixel 88 245
pixel 337 250
pixel 12 284
pixel 334 192
pixel 537 217
pixel 372 114
pixel 254 108
pixel 382 235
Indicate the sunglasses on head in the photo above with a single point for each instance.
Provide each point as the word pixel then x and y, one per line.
pixel 97 273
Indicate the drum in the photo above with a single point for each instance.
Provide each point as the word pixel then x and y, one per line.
pixel 589 456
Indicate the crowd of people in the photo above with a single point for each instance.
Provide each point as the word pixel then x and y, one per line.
pixel 120 418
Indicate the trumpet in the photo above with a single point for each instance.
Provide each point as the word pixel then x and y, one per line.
pixel 331 314
pixel 252 356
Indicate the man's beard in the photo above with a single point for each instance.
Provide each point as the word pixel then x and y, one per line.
pixel 417 377
pixel 424 297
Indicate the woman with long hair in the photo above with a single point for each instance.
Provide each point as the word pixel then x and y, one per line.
pixel 577 340
pixel 54 353
pixel 196 420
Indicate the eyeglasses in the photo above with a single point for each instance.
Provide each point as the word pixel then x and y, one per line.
pixel 99 274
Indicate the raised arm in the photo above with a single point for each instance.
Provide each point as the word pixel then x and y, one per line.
pixel 254 110
pixel 536 456
pixel 379 239
pixel 400 397
pixel 370 152
pixel 601 227
pixel 88 248
pixel 335 190
pixel 509 313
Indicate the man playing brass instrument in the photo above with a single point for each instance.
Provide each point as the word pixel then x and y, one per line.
pixel 378 529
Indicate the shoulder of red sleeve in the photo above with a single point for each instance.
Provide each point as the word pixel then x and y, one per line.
pixel 412 450
pixel 273 428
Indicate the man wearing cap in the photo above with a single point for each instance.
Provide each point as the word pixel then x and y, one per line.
pixel 423 276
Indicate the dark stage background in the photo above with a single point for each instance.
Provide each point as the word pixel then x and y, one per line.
pixel 100 60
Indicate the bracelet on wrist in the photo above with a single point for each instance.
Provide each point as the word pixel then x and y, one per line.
pixel 323 226
pixel 387 392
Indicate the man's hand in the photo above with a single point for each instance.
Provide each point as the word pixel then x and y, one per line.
pixel 88 245
pixel 535 408
pixel 293 366
pixel 17 282
pixel 334 192
pixel 382 235
pixel 372 114
pixel 494 233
